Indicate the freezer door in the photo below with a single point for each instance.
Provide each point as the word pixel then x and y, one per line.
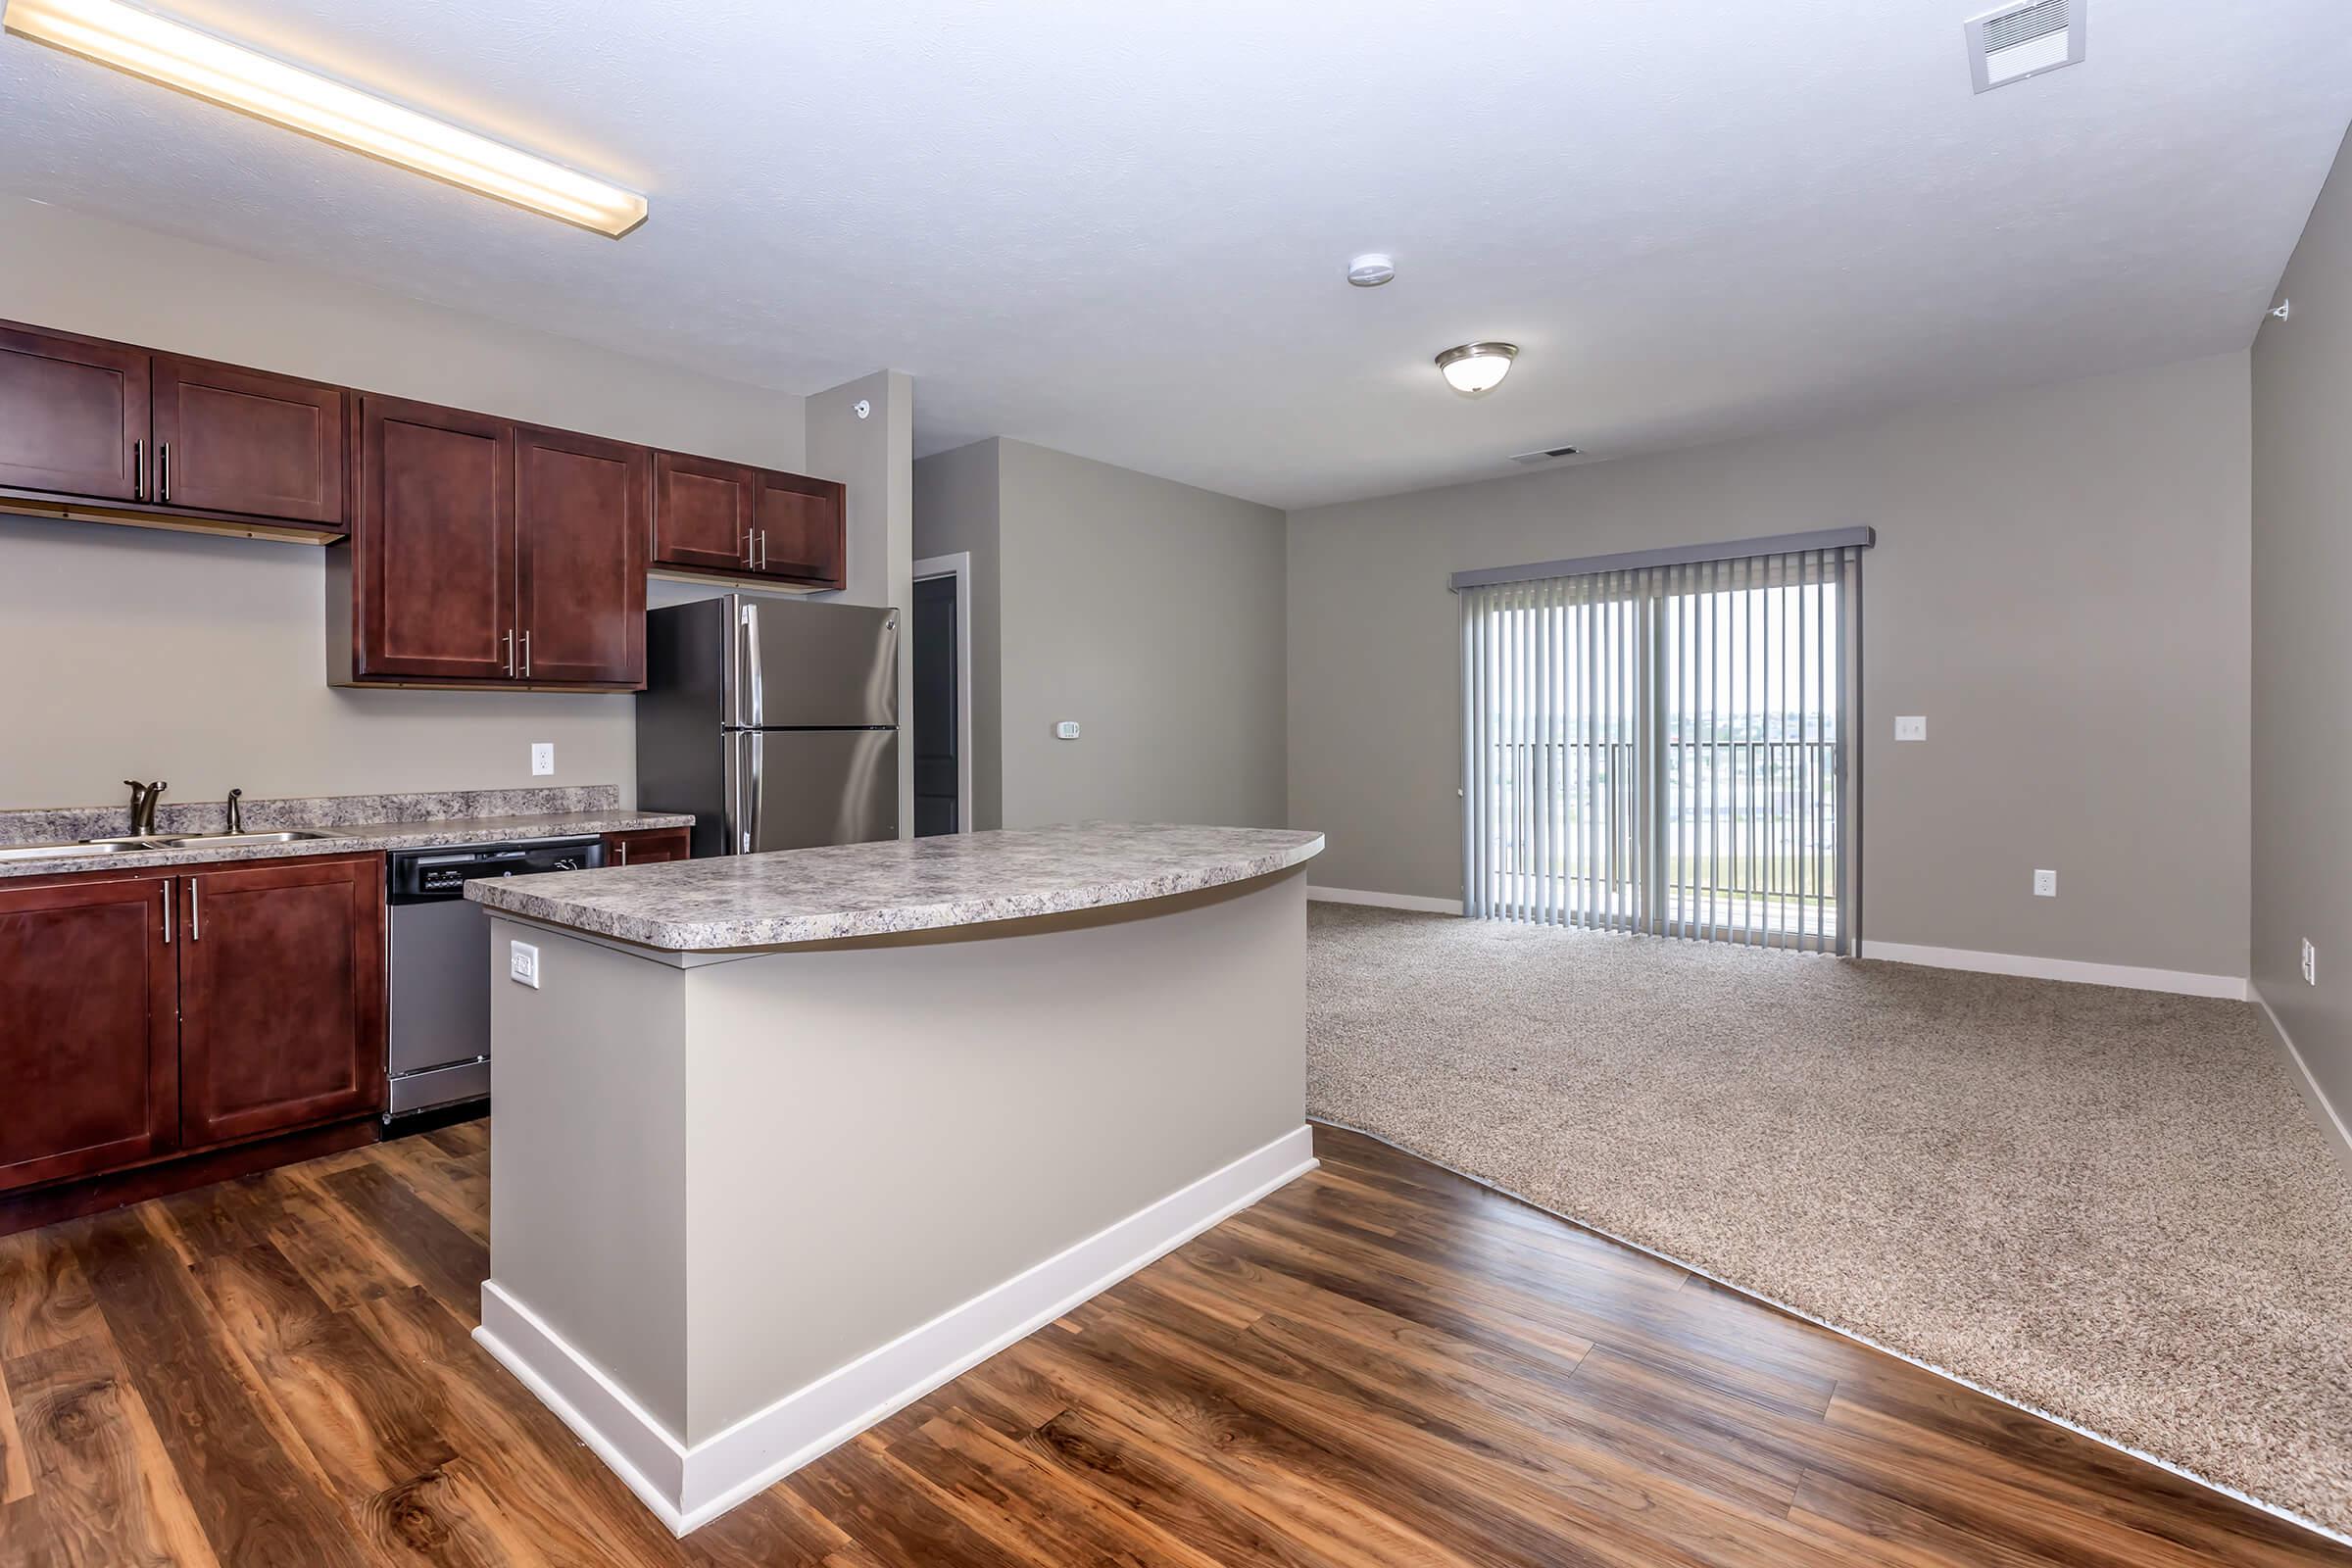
pixel 801 788
pixel 811 665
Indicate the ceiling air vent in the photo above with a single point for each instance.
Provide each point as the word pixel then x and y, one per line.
pixel 1545 455
pixel 2019 42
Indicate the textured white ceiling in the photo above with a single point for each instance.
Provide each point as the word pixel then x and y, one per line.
pixel 1121 230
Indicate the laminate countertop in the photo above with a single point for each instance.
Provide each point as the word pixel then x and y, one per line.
pixel 346 839
pixel 860 890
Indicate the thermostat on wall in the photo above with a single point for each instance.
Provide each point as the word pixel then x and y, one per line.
pixel 1066 730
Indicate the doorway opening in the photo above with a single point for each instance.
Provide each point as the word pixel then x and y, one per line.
pixel 942 652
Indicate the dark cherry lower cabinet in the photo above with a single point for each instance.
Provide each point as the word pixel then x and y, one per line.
pixel 647 846
pixel 149 1017
pixel 281 996
pixel 89 1029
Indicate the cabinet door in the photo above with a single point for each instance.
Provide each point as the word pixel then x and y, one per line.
pixel 434 539
pixel 580 520
pixel 281 985
pixel 703 512
pixel 73 415
pixel 647 846
pixel 799 530
pixel 243 441
pixel 88 1028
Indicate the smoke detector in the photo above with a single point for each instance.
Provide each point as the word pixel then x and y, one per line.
pixel 2016 42
pixel 1544 455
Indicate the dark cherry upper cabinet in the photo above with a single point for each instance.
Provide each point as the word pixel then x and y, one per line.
pixel 703 511
pixel 731 520
pixel 432 545
pixel 247 442
pixel 580 523
pixel 73 415
pixel 88 1028
pixel 800 527
pixel 281 986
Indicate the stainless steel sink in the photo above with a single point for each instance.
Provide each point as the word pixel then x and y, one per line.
pixel 197 840
pixel 73 851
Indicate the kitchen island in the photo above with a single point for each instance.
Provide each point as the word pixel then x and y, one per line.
pixel 785 1141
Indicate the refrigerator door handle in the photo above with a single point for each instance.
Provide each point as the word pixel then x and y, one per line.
pixel 756 754
pixel 751 664
pixel 735 840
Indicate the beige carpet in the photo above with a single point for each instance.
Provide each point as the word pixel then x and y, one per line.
pixel 2108 1206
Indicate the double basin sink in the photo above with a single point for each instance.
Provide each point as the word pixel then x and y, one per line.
pixel 153 841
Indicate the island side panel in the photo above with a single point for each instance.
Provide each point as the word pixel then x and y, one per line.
pixel 588 1163
pixel 880 1134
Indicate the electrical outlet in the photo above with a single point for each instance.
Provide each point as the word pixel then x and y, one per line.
pixel 2045 884
pixel 543 759
pixel 2310 964
pixel 1911 728
pixel 1066 730
pixel 523 964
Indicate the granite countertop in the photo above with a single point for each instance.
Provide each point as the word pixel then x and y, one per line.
pixel 350 822
pixel 860 890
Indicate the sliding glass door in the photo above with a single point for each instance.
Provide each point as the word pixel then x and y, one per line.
pixel 1665 749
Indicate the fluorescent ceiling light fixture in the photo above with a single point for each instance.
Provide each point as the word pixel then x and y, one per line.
pixel 234 76
pixel 1476 368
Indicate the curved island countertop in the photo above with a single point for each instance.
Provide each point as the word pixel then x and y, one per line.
pixel 864 889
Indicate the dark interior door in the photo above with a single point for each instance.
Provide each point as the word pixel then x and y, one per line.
pixel 73 415
pixel 938 776
pixel 703 512
pixel 89 1028
pixel 580 525
pixel 281 983
pixel 244 441
pixel 435 538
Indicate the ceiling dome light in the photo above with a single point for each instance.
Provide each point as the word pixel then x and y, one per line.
pixel 1370 272
pixel 1476 368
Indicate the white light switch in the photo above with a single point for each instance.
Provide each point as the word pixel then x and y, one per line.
pixel 523 964
pixel 1913 728
pixel 1066 730
pixel 2045 884
pixel 543 757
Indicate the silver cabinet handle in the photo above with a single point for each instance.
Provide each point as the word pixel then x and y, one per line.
pixel 749 539
pixel 508 637
pixel 526 656
pixel 166 911
pixel 763 550
pixel 139 471
pixel 195 914
pixel 163 471
pixel 624 848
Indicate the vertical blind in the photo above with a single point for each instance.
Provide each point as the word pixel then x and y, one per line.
pixel 1667 748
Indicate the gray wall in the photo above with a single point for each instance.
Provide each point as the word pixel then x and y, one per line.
pixel 202 660
pixel 2302 676
pixel 2061 586
pixel 1149 611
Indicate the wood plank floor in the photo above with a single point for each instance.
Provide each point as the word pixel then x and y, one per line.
pixel 1379 1364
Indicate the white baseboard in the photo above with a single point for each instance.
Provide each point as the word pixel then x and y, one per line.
pixel 688 1487
pixel 1386 901
pixel 2323 1109
pixel 2181 982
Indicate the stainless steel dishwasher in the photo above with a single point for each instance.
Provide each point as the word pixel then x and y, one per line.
pixel 438 956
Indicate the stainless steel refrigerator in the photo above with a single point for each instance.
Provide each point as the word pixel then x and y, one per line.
pixel 774 721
